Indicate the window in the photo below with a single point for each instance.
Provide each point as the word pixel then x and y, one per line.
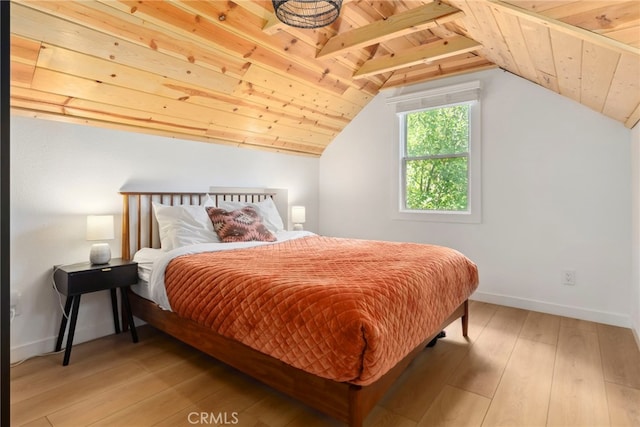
pixel 436 158
pixel 439 155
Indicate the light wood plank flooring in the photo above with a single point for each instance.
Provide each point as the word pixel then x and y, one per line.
pixel 517 368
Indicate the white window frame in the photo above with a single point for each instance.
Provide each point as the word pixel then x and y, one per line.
pixel 466 93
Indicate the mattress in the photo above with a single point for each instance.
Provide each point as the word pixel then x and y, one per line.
pixel 343 309
pixel 145 258
pixel 142 288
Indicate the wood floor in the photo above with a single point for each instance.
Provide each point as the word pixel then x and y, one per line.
pixel 518 368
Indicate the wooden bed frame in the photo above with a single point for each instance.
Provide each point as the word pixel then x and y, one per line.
pixel 346 402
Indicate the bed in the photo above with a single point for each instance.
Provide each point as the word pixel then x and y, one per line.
pixel 340 339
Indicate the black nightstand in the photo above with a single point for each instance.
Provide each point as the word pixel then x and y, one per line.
pixel 76 279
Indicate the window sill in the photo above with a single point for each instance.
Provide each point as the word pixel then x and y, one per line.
pixel 433 216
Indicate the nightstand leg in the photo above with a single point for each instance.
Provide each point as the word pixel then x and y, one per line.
pixel 63 323
pixel 72 329
pixel 126 307
pixel 114 307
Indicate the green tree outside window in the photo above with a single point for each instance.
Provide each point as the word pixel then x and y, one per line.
pixel 436 159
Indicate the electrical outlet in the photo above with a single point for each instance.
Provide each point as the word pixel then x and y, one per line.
pixel 15 302
pixel 569 277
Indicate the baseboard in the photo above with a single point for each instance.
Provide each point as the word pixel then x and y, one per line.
pixel 636 336
pixel 47 345
pixel 608 318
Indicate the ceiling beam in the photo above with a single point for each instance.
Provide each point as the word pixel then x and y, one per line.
pixel 430 52
pixel 272 24
pixel 634 118
pixel 413 20
pixel 586 35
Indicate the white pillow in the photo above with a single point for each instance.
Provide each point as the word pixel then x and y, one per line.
pixel 209 202
pixel 183 225
pixel 266 208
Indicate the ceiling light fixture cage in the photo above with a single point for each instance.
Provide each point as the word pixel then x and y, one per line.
pixel 307 13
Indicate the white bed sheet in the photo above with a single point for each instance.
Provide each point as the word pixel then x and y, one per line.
pixel 142 288
pixel 145 258
pixel 153 262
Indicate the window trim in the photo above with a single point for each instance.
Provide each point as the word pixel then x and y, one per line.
pixel 466 93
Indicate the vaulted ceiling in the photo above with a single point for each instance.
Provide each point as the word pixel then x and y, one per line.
pixel 229 72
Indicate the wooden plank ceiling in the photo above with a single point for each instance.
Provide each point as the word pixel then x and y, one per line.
pixel 230 72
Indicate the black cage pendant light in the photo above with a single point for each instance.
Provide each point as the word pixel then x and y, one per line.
pixel 307 13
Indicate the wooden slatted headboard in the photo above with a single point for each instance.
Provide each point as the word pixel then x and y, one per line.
pixel 139 225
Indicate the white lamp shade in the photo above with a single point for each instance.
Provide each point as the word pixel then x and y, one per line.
pixel 298 214
pixel 100 227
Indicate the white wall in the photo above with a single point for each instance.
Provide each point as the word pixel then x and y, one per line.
pixel 62 172
pixel 635 251
pixel 556 186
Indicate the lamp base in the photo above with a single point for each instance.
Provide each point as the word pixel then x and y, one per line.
pixel 297 227
pixel 100 253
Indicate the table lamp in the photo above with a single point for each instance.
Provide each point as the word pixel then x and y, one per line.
pixel 298 214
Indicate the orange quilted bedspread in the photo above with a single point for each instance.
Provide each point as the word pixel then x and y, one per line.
pixel 342 309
